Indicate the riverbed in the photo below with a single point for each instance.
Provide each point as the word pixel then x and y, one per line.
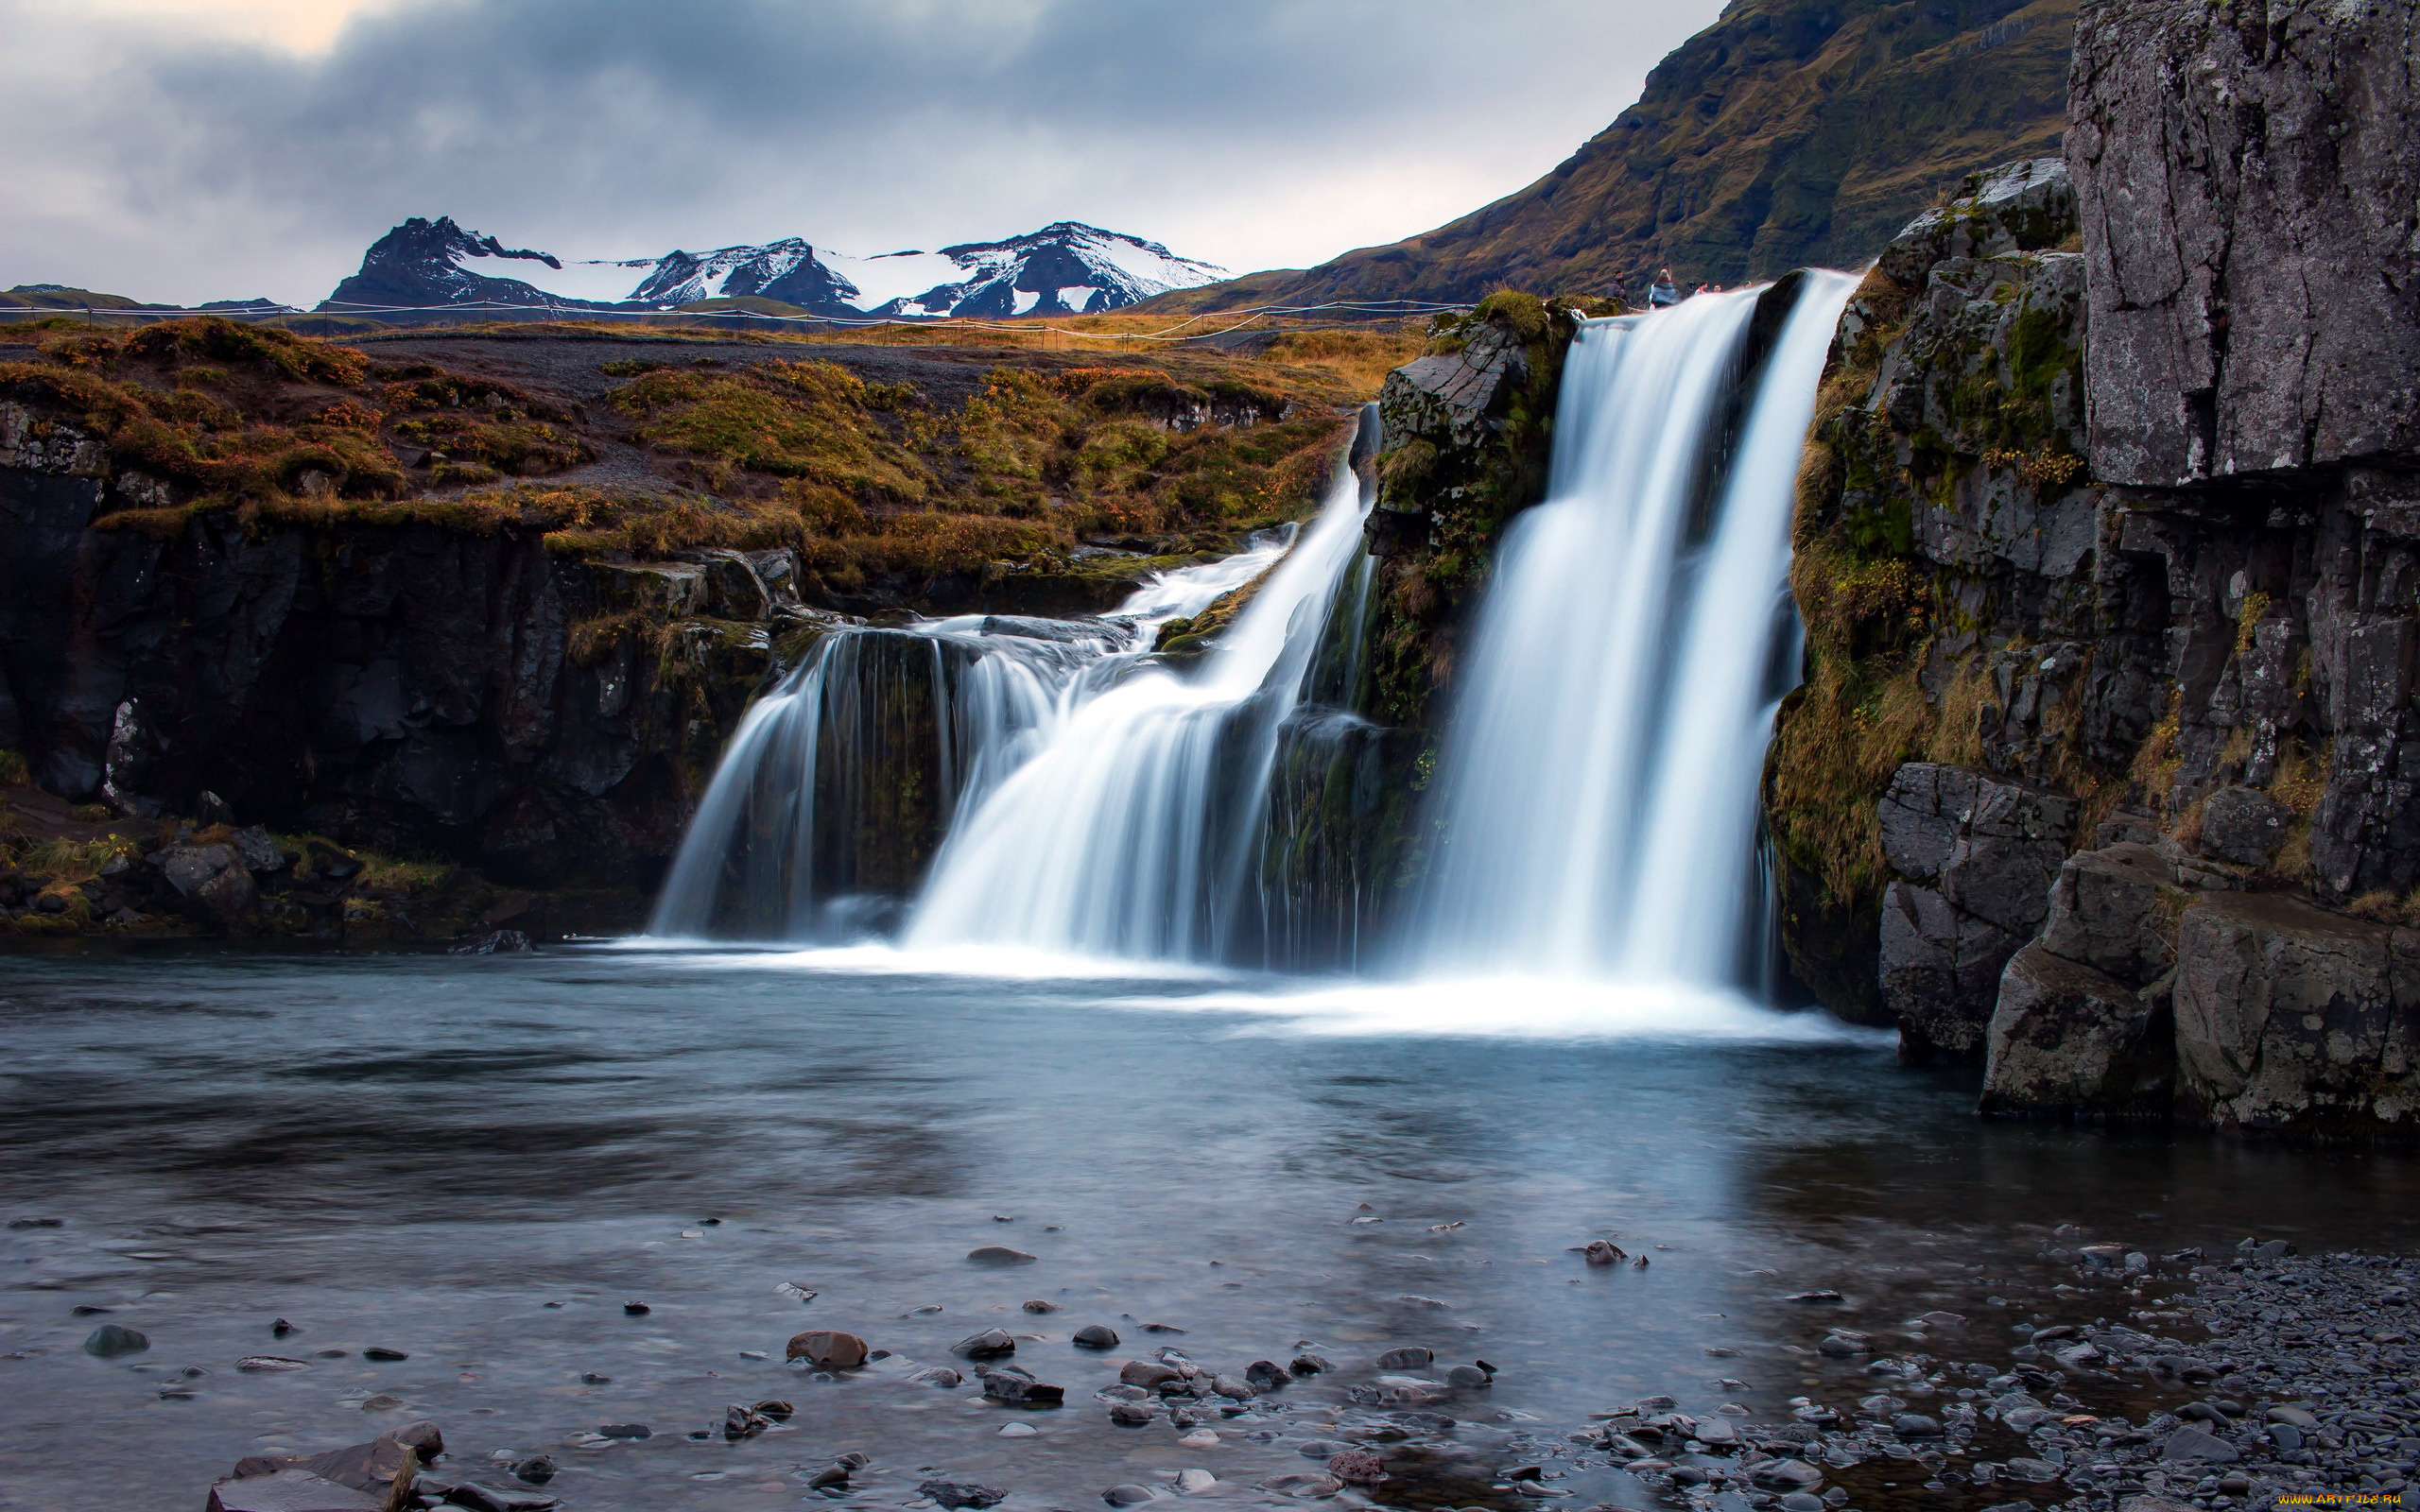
pixel 482 1163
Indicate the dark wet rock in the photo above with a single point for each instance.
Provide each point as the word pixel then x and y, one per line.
pixel 831 1476
pixel 1822 1294
pixel 480 1498
pixel 1038 1305
pixel 1787 1475
pixel 1267 1374
pixel 1127 1495
pixel 1975 855
pixel 1915 1425
pixel 827 1349
pixel 957 1494
pixel 2070 1040
pixel 269 1364
pixel 989 1344
pixel 537 1470
pixel 1096 1336
pixel 495 942
pixel 625 1431
pixel 113 1340
pixel 637 1309
pixel 1000 1255
pixel 1162 1328
pixel 1235 1387
pixel 1297 1484
pixel 1015 1387
pixel 2114 910
pixel 37 1223
pixel 778 1409
pixel 1148 1374
pixel 740 1423
pixel 1357 1467
pixel 1604 1252
pixel 383 1355
pixel 1411 1357
pixel 290 1490
pixel 1311 1365
pixel 593 1379
pixel 282 1328
pixel 937 1375
pixel 2198 1445
pixel 1130 1414
pixel 1468 1377
pixel 2291 1017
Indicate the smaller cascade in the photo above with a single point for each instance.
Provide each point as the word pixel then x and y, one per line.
pixel 1133 832
pixel 841 783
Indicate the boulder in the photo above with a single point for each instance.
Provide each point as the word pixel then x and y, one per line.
pixel 2290 1017
pixel 2114 910
pixel 1975 857
pixel 2245 824
pixel 828 1349
pixel 2246 177
pixel 2067 1039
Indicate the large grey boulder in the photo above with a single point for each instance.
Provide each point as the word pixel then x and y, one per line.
pixel 1975 856
pixel 2245 824
pixel 2247 173
pixel 2290 1017
pixel 2114 910
pixel 2067 1039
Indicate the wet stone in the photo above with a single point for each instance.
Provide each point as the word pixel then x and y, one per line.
pixel 1096 1336
pixel 112 1341
pixel 1000 1255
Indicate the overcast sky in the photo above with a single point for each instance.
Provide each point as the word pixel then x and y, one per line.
pixel 183 151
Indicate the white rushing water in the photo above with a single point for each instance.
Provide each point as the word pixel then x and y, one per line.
pixel 1597 794
pixel 1128 833
pixel 879 729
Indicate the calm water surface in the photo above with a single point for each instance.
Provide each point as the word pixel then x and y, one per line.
pixel 480 1160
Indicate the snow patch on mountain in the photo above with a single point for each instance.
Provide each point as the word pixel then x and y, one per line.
pixel 1065 268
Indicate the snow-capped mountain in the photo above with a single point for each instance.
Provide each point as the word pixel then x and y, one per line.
pixel 425 263
pixel 1065 268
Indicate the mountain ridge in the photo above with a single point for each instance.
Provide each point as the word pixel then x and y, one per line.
pixel 1067 267
pixel 1788 133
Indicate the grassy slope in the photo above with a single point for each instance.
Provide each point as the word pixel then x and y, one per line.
pixel 1792 132
pixel 1183 447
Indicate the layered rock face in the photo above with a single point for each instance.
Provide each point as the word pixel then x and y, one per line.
pixel 424 689
pixel 2135 528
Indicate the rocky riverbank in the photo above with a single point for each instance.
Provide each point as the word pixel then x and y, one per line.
pixel 2156 1382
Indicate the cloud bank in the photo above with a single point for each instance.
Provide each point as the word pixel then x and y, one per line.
pixel 158 155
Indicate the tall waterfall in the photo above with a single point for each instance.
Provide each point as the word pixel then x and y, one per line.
pixel 1596 793
pixel 1132 831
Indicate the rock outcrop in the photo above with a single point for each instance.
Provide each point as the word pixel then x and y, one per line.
pixel 2137 526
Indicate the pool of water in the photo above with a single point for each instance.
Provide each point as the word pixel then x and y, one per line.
pixel 478 1160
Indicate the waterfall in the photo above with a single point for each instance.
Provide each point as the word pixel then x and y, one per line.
pixel 839 784
pixel 1134 831
pixel 1596 810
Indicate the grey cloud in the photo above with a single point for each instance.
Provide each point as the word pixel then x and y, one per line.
pixel 1247 131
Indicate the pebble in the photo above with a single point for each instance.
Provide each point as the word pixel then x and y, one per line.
pixel 1018 1431
pixel 1199 1438
pixel 1000 1255
pixel 1096 1336
pixel 990 1344
pixel 827 1349
pixel 1038 1305
pixel 637 1309
pixel 1128 1495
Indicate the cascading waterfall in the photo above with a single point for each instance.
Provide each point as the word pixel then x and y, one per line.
pixel 1594 809
pixel 1597 796
pixel 1131 833
pixel 838 786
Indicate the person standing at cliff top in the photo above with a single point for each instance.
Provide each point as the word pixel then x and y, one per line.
pixel 1663 292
